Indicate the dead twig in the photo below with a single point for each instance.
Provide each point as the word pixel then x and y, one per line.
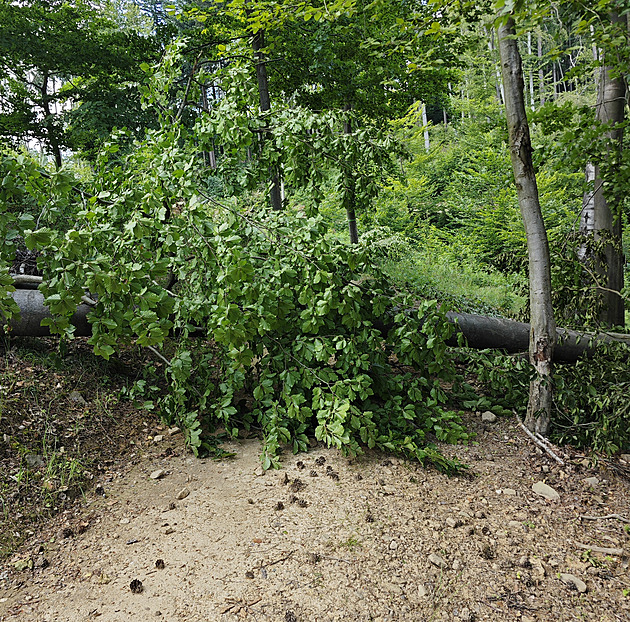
pixel 543 444
pixel 617 516
pixel 159 355
pixel 278 561
pixel 600 549
pixel 241 604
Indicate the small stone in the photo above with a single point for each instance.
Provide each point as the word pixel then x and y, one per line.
pixel 488 417
pixel 457 565
pixel 625 458
pixel 514 524
pixel 465 615
pixel 158 474
pixel 169 531
pixel 34 461
pixel 259 471
pixel 393 545
pixel 173 431
pixel 182 494
pixel 591 481
pixel 572 580
pixel 77 398
pixel 422 591
pixel 542 489
pixel 436 560
pixel 158 438
pixel 124 521
pixel 510 492
pixel 545 468
pixel 453 522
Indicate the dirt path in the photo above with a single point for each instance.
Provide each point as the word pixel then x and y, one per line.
pixel 328 538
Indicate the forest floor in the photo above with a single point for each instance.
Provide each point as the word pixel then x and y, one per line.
pixel 161 535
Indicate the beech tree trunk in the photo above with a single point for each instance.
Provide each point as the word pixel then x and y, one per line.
pixel 258 45
pixel 541 71
pixel 425 128
pixel 601 218
pixel 532 100
pixel 350 199
pixel 543 328
pixel 481 332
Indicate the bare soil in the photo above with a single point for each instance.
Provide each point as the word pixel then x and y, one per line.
pixel 162 535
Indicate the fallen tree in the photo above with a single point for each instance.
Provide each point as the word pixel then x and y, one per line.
pixel 480 332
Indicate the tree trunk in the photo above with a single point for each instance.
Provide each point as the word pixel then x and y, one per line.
pixel 532 101
pixel 210 157
pixel 541 71
pixel 350 197
pixel 258 45
pixel 49 123
pixel 498 85
pixel 601 217
pixel 543 328
pixel 480 332
pixel 425 128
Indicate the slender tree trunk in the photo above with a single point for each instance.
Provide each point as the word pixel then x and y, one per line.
pixel 543 328
pixel 49 124
pixel 532 101
pixel 210 157
pixel 498 85
pixel 350 197
pixel 425 128
pixel 601 217
pixel 541 71
pixel 258 45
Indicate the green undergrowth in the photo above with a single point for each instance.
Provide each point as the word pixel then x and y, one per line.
pixel 430 267
pixel 590 408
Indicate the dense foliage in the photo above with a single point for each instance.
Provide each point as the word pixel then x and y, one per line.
pixel 268 321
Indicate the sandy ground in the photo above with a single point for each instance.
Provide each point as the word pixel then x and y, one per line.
pixel 330 538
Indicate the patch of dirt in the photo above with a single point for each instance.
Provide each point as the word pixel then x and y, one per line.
pixel 330 538
pixel 63 429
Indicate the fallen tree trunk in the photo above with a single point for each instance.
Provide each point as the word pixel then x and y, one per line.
pixel 33 311
pixel 481 332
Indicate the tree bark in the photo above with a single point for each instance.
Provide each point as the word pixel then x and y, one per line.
pixel 258 44
pixel 601 218
pixel 543 328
